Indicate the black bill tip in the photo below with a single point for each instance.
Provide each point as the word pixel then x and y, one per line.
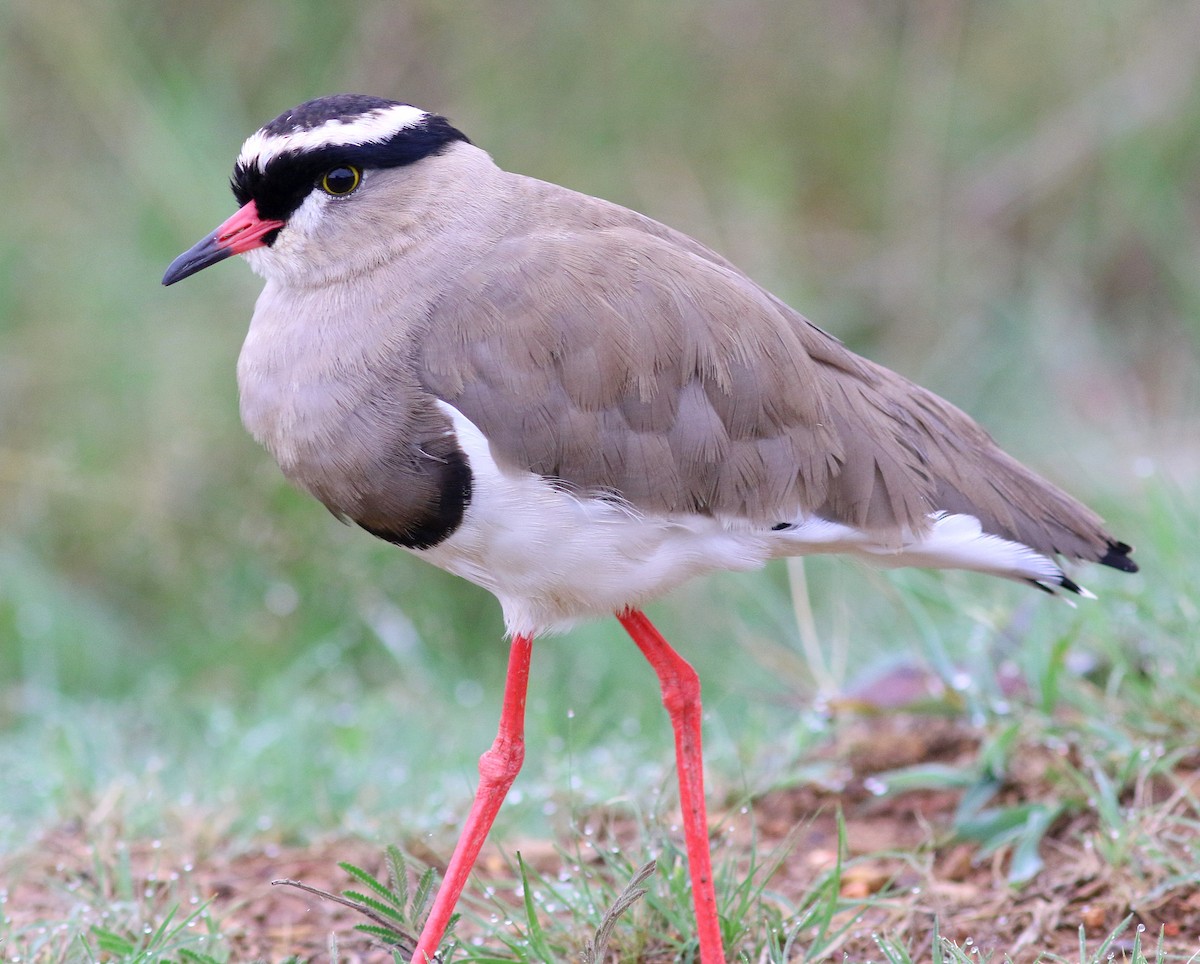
pixel 196 258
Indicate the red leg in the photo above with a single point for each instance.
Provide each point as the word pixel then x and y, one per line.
pixel 498 767
pixel 681 696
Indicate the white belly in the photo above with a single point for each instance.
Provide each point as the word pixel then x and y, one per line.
pixel 553 557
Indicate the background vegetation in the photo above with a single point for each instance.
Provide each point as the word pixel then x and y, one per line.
pixel 999 199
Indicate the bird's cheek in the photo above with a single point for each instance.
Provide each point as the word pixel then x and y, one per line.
pixel 307 219
pixel 260 260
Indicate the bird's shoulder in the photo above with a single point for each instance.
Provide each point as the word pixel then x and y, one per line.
pixel 572 273
pixel 599 347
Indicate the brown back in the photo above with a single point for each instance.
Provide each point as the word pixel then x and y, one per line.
pixel 595 346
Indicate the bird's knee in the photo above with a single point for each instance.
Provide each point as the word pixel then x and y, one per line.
pixel 681 690
pixel 502 762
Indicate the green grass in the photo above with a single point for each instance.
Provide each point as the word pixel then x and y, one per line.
pixel 997 199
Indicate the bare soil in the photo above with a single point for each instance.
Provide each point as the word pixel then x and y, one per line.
pixel 902 855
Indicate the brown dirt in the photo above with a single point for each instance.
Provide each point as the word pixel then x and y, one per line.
pixel 901 854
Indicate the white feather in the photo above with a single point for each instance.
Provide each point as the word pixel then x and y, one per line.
pixel 553 557
pixel 371 127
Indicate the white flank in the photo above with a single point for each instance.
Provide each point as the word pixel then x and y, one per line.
pixel 372 127
pixel 959 542
pixel 952 542
pixel 553 557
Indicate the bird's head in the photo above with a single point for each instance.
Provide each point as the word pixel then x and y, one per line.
pixel 304 183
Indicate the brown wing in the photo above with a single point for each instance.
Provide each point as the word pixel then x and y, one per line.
pixel 623 358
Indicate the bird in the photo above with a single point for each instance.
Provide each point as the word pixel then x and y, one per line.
pixel 579 408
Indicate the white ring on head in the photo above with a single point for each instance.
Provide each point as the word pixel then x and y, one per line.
pixel 371 127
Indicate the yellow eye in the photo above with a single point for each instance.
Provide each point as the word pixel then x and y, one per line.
pixel 341 181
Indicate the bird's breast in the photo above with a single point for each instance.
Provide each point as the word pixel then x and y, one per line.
pixel 347 422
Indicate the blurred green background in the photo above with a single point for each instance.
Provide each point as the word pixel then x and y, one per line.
pixel 999 199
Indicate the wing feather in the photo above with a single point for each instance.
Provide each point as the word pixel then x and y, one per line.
pixel 603 350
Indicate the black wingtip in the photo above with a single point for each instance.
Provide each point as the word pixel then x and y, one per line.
pixel 1061 581
pixel 1117 557
pixel 1072 586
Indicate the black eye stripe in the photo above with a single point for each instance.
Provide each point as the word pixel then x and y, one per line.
pixel 286 181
